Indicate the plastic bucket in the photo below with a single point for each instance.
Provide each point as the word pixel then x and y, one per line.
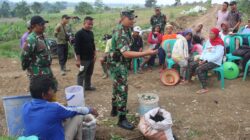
pixel 75 96
pixel 146 104
pixel 13 113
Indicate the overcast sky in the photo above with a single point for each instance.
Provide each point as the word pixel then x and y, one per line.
pixel 122 1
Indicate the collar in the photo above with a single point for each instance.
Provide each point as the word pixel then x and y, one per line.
pixel 38 101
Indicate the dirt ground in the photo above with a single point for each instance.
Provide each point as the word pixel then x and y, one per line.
pixel 218 115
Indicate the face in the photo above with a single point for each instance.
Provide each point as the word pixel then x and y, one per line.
pixel 157 29
pixel 157 11
pixel 212 35
pixel 136 33
pixel 65 20
pixel 199 28
pixel 224 7
pixel 188 36
pixel 169 30
pixel 128 22
pixel 233 7
pixel 39 28
pixel 88 24
pixel 50 95
pixel 224 27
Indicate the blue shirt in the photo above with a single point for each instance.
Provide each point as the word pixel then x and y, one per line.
pixel 213 54
pixel 44 119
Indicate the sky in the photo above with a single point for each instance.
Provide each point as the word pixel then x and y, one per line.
pixel 159 2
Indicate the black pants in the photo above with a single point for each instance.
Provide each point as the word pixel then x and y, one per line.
pixel 62 51
pixel 201 71
pixel 244 52
pixel 84 76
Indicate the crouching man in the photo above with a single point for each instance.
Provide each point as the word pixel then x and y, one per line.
pixel 50 120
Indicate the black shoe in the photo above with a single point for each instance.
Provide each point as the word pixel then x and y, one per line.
pixel 90 88
pixel 114 112
pixel 123 123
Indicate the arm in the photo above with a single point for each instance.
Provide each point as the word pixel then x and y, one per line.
pixel 68 112
pixel 77 48
pixel 56 31
pixel 26 56
pixel 132 54
pixel 239 22
pixel 165 20
pixel 151 21
pixel 218 54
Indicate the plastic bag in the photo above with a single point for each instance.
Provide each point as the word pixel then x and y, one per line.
pixel 88 127
pixel 153 130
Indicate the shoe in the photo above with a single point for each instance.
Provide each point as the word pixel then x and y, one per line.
pixel 63 73
pixel 114 111
pixel 90 88
pixel 123 123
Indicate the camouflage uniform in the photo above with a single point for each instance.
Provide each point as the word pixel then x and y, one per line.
pixel 159 20
pixel 36 57
pixel 121 42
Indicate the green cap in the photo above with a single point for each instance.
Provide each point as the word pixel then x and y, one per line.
pixel 128 13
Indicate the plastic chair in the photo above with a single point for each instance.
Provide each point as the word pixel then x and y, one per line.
pixel 246 70
pixel 230 56
pixel 135 65
pixel 169 61
pixel 220 71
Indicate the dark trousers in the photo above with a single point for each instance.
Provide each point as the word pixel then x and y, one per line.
pixel 84 76
pixel 201 71
pixel 62 51
pixel 162 56
pixel 245 53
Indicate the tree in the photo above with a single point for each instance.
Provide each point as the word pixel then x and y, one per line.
pixel 37 7
pixel 22 10
pixel 244 6
pixel 99 4
pixel 84 8
pixel 5 9
pixel 150 3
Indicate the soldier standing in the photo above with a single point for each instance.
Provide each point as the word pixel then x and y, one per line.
pixel 62 34
pixel 118 60
pixel 158 19
pixel 36 57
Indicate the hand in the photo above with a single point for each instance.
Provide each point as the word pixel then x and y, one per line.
pixel 78 63
pixel 151 52
pixel 94 112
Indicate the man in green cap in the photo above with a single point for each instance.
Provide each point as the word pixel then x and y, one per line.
pixel 158 19
pixel 36 57
pixel 118 62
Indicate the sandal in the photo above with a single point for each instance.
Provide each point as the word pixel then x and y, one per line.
pixel 202 91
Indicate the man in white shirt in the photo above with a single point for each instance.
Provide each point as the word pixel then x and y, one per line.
pixel 222 15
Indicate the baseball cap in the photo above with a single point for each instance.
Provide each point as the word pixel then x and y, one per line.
pixel 233 3
pixel 38 20
pixel 129 14
pixel 137 29
pixel 66 16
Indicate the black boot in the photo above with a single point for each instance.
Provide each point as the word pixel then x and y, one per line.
pixel 114 111
pixel 123 123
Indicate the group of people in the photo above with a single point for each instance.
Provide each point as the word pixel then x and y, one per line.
pixel 191 52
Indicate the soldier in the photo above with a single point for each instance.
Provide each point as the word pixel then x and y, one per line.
pixel 62 34
pixel 158 19
pixel 36 57
pixel 118 60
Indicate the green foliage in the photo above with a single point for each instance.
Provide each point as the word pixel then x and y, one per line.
pixel 150 3
pixel 84 8
pixel 37 7
pixel 5 9
pixel 244 7
pixel 22 10
pixel 116 137
pixel 54 8
pixel 99 4
pixel 10 49
pixel 209 3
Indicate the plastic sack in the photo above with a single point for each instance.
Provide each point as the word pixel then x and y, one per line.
pixel 153 130
pixel 89 127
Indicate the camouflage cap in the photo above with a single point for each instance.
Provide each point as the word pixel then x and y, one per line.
pixel 128 13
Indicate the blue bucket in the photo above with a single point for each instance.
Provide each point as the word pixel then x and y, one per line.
pixel 13 113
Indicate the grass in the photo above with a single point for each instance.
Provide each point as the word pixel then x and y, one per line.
pixel 104 23
pixel 6 138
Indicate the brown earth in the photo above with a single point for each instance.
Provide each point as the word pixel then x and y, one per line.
pixel 218 115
